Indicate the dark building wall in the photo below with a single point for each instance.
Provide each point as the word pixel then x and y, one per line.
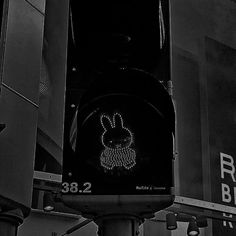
pixel 193 22
pixel 204 42
pixel 21 46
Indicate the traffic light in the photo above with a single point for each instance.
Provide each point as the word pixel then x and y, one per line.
pixel 124 136
pixel 119 116
pixel 116 33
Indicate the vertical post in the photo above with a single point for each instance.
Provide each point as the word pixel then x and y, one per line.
pixel 9 222
pixel 120 225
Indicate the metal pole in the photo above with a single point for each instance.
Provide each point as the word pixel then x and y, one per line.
pixel 121 225
pixel 9 222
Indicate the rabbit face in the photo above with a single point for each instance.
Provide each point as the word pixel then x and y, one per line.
pixel 117 138
pixel 115 135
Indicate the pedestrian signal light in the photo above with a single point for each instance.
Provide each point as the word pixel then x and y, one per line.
pixel 122 137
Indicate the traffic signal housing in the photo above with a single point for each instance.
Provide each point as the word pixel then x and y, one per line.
pixel 120 124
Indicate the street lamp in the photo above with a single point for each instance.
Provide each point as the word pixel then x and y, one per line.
pixel 48 202
pixel 171 222
pixel 193 229
pixel 195 222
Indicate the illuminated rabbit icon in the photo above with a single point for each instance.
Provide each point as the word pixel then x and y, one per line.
pixel 116 140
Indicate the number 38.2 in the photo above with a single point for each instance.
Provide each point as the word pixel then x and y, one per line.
pixel 73 187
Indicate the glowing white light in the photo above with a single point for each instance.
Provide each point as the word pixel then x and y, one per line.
pixel 117 152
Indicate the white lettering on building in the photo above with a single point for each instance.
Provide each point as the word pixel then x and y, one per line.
pixel 228 222
pixel 228 192
pixel 226 196
pixel 227 166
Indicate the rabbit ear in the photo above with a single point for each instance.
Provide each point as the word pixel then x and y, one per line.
pixel 117 120
pixel 106 122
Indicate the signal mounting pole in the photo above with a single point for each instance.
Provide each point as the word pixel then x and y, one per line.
pixel 118 225
pixel 112 225
pixel 116 215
